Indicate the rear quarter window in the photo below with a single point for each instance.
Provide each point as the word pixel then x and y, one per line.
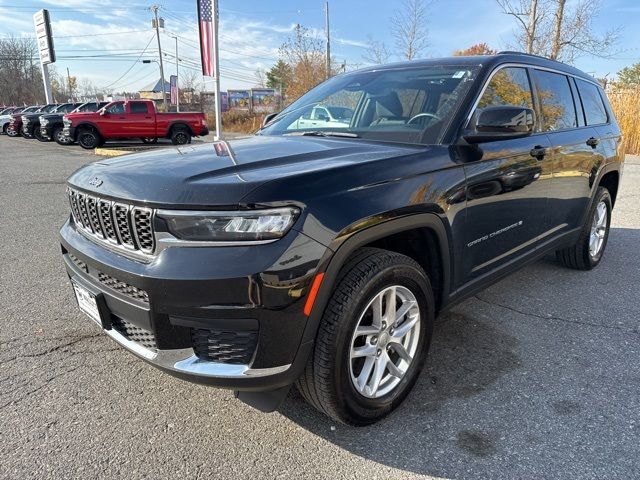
pixel 594 109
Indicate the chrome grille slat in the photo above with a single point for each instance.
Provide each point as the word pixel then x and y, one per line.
pixel 117 224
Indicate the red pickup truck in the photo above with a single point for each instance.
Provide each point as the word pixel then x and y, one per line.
pixel 132 119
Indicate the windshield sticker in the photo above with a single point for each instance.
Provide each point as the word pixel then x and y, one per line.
pixel 459 74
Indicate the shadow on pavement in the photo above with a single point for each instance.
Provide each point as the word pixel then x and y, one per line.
pixel 470 414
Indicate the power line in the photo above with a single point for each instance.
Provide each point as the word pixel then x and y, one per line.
pixel 134 64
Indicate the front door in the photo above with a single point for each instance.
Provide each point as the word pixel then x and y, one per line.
pixel 140 122
pixel 508 183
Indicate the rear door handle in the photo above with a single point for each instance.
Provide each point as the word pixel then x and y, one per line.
pixel 593 142
pixel 538 152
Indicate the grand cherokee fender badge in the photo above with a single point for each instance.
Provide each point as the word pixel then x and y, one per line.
pixel 95 182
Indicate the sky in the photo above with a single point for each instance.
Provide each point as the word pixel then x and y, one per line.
pixel 114 36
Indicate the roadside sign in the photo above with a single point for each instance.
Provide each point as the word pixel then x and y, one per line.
pixel 44 36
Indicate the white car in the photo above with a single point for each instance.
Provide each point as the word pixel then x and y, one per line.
pixel 5 117
pixel 324 116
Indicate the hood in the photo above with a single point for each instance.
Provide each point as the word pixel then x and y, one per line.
pixel 196 176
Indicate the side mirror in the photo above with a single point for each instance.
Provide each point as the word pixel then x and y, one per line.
pixel 268 118
pixel 501 123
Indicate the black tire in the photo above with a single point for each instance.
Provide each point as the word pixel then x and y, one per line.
pixel 13 133
pixel 38 134
pixel 88 138
pixel 59 137
pixel 579 255
pixel 149 140
pixel 180 136
pixel 326 382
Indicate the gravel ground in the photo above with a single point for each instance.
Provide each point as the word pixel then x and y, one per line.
pixel 536 377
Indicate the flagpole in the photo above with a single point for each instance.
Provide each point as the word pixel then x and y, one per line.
pixel 216 73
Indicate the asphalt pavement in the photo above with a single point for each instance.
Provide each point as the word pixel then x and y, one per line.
pixel 536 377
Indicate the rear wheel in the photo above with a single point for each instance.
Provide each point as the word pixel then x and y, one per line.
pixel 372 339
pixel 88 138
pixel 180 136
pixel 587 252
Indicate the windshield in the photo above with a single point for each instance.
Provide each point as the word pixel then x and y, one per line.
pixel 410 105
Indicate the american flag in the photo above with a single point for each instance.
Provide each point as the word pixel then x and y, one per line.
pixel 207 36
pixel 173 81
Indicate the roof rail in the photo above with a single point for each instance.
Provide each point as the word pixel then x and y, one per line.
pixel 514 52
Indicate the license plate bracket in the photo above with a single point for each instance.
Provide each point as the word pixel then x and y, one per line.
pixel 92 304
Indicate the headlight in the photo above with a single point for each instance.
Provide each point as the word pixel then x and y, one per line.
pixel 44 122
pixel 251 225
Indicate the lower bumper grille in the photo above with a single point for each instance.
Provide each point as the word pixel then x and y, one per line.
pixel 124 288
pixel 133 332
pixel 224 347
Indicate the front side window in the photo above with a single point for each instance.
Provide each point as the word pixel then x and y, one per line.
pixel 116 108
pixel 556 101
pixel 138 107
pixel 594 108
pixel 409 105
pixel 508 87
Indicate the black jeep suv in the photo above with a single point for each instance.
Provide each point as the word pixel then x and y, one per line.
pixel 319 251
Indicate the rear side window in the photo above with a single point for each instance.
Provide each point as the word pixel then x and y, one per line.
pixel 592 103
pixel 138 107
pixel 556 101
pixel 509 86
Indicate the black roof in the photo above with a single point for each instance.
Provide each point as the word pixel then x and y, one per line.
pixel 489 61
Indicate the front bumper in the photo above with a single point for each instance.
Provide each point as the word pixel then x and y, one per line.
pixel 190 292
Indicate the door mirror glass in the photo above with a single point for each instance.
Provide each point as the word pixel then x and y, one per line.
pixel 501 123
pixel 268 118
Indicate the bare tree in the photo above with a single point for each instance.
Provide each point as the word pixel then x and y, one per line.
pixel 408 27
pixel 530 15
pixel 190 84
pixel 553 29
pixel 260 77
pixel 20 77
pixel 377 52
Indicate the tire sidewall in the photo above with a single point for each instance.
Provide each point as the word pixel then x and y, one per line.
pixel 55 135
pixel 177 134
pixel 83 136
pixel 602 196
pixel 366 409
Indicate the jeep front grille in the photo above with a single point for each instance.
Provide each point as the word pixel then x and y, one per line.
pixel 113 223
pixel 224 346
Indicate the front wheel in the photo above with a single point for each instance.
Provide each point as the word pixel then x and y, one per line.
pixel 372 340
pixel 38 134
pixel 12 132
pixel 60 137
pixel 88 139
pixel 587 252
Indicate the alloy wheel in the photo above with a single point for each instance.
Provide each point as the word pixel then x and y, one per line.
pixel 384 342
pixel 598 230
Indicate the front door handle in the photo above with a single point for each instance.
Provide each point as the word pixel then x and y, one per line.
pixel 538 152
pixel 593 142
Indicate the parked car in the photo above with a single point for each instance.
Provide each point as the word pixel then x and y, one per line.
pixel 14 129
pixel 320 257
pixel 31 121
pixel 5 117
pixel 133 119
pixel 47 122
pixel 52 127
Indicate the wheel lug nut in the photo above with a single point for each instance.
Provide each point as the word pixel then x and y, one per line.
pixel 392 330
pixel 384 325
pixel 378 353
pixel 374 340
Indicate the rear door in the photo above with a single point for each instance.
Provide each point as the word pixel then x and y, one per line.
pixel 575 153
pixel 140 121
pixel 507 184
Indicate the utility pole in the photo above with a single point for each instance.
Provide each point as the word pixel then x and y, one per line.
pixel 154 9
pixel 326 26
pixel 69 84
pixel 216 72
pixel 177 77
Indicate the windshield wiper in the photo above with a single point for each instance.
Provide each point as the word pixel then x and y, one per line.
pixel 320 133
